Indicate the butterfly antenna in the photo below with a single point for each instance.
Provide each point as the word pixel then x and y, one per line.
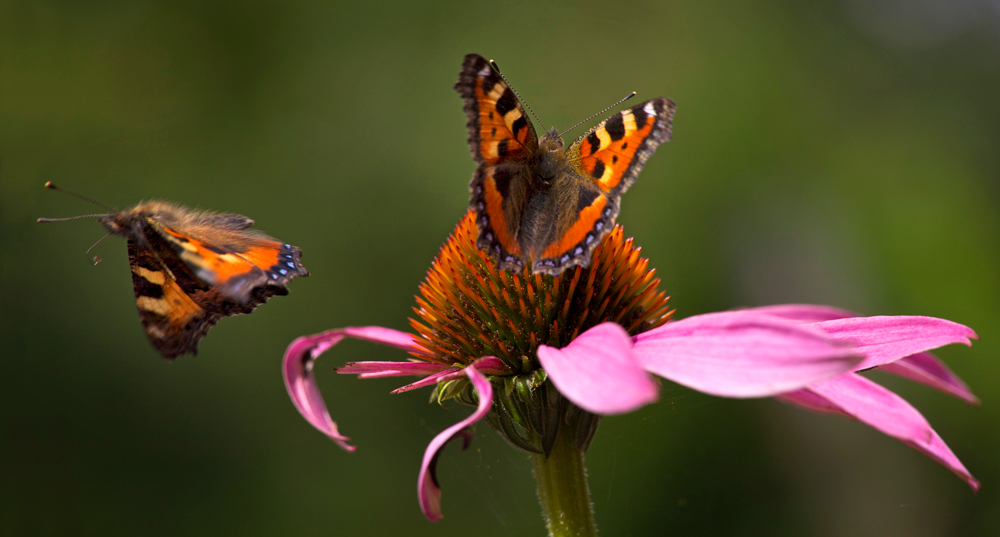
pixel 97 259
pixel 47 220
pixel 51 186
pixel 627 97
pixel 496 68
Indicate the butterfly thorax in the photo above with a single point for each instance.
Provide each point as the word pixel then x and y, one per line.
pixel 550 158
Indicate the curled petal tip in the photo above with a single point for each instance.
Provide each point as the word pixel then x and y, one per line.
pixel 305 394
pixel 428 490
pixel 926 369
pixel 301 384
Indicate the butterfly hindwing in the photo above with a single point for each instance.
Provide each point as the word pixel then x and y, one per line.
pixel 582 219
pixel 498 194
pixel 172 319
pixel 613 153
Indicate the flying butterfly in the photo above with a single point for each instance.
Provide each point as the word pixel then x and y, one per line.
pixel 191 268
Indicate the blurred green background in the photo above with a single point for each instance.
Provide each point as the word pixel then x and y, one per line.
pixel 841 153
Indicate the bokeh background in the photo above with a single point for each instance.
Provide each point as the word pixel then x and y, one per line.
pixel 836 152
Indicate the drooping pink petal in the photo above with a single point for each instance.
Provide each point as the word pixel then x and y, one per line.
pixel 884 339
pixel 428 490
pixel 598 372
pixel 444 376
pixel 866 401
pixel 301 385
pixel 491 365
pixel 390 369
pixel 742 354
pixel 810 400
pixel 926 369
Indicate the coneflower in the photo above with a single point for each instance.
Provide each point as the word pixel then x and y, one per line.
pixel 542 358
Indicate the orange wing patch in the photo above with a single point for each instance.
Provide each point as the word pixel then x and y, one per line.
pixel 265 256
pixel 172 320
pixel 175 306
pixel 614 152
pixel 499 226
pixel 581 228
pixel 498 127
pixel 237 271
pixel 585 222
pixel 213 265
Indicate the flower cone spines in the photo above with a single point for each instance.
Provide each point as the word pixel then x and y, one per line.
pixel 468 308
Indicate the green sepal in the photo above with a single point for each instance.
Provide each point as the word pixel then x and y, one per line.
pixel 502 424
pixel 508 405
pixel 586 428
pixel 450 389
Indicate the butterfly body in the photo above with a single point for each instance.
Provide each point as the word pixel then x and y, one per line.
pixel 537 203
pixel 192 268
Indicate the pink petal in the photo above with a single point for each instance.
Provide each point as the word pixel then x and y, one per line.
pixel 884 339
pixel 430 380
pixel 491 365
pixel 598 371
pixel 922 367
pixel 390 369
pixel 742 354
pixel 428 490
pixel 866 401
pixel 926 369
pixel 806 313
pixel 301 384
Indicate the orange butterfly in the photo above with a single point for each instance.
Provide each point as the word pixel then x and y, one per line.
pixel 535 203
pixel 192 268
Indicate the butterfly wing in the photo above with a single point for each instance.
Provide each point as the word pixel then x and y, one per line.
pixel 172 319
pixel 604 162
pixel 191 269
pixel 583 214
pixel 614 152
pixel 502 141
pixel 498 128
pixel 236 265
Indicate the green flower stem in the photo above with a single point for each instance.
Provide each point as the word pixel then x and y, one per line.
pixel 562 488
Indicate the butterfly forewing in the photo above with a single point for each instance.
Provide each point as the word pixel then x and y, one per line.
pixel 614 152
pixel 498 126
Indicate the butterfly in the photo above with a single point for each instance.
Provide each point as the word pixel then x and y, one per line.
pixel 192 268
pixel 537 204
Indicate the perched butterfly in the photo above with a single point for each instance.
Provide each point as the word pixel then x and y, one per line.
pixel 537 204
pixel 192 268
